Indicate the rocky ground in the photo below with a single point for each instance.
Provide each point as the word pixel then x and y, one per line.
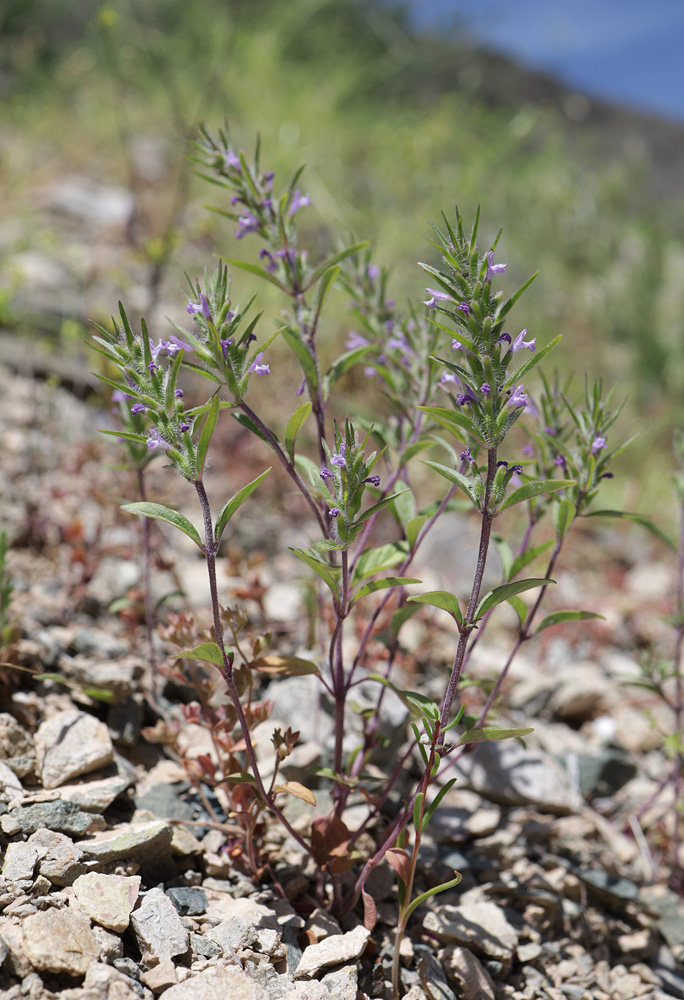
pixel 110 889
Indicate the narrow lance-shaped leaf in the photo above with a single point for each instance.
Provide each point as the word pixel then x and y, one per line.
pixel 374 585
pixel 645 522
pixel 565 616
pixel 236 501
pixel 162 513
pixel 303 355
pixel 327 281
pixel 260 272
pixel 206 433
pixel 530 363
pixel 443 600
pixel 294 425
pixel 334 259
pixel 434 805
pixel 505 592
pixel 535 489
pixel 455 477
pixel 491 735
pixel 345 362
pixel 377 506
pixel 525 558
pixel 431 892
pixel 321 568
pixel 209 651
pixel 376 559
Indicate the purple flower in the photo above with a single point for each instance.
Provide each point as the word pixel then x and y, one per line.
pixel 258 369
pixel 467 457
pixel 369 371
pixel 267 179
pixel 598 443
pixel 138 408
pixel 334 512
pixel 184 427
pixel 298 201
pixel 355 340
pixel 399 344
pixel 164 345
pixel 516 468
pixel 326 473
pixel 232 160
pixel 518 397
pixel 373 480
pixel 560 461
pixel 338 458
pixel 155 440
pixel 493 268
pixel 247 223
pixel 448 377
pixel 484 389
pixel 197 307
pixel 502 464
pixel 272 264
pixel 152 368
pixel 464 307
pixel 528 450
pixel 519 343
pixel 372 272
pixel 225 344
pixel 466 398
pixel 550 431
pixel 505 338
pixel 302 387
pixel 180 344
pixel 456 345
pixel 235 199
pixel 437 296
pixel 119 395
pixel 178 394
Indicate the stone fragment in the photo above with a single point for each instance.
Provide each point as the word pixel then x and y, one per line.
pixel 202 947
pixel 218 983
pixel 111 945
pixel 109 983
pixel 158 928
pixel 465 972
pixel 16 746
pixel 135 840
pixel 19 862
pixel 602 774
pixel 581 692
pixel 433 980
pixel 13 935
pixel 97 794
pixel 62 817
pixel 59 856
pixel 107 899
pixel 161 976
pixel 510 774
pixel 480 925
pixel 60 941
pixel 9 782
pixel 189 900
pixel 321 925
pixel 342 983
pixel 333 950
pixel 71 743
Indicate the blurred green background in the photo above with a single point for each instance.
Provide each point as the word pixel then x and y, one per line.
pixel 393 127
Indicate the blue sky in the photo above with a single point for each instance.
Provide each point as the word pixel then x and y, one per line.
pixel 627 51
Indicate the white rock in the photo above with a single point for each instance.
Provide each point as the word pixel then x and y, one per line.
pixel 19 862
pixel 333 950
pixel 217 983
pixel 158 928
pixel 59 856
pixel 464 971
pixel 107 899
pixel 60 941
pixel 71 743
pixel 480 925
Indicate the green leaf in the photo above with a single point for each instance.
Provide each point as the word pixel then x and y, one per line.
pixel 414 528
pixel 260 272
pixel 249 424
pixel 443 600
pixel 429 812
pixel 372 561
pixel 525 558
pixel 322 569
pixel 327 281
pixel 162 513
pixel 138 438
pixel 506 591
pixel 376 507
pixel 641 519
pixel 455 477
pixel 451 420
pixel 566 616
pixel 535 489
pixel 405 507
pixel 509 303
pixel 418 704
pixel 207 431
pixel 538 356
pixel 431 892
pixel 563 516
pixel 329 262
pixel 345 362
pixel 519 607
pixel 208 651
pixel 417 806
pixel 294 425
pixel 413 449
pixel 491 735
pixel 236 501
pixel 385 584
pixel 303 355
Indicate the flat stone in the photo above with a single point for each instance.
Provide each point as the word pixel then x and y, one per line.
pixel 433 980
pixel 218 983
pixel 107 899
pixel 69 744
pixel 95 795
pixel 480 925
pixel 133 840
pixel 60 858
pixel 16 746
pixel 581 692
pixel 189 900
pixel 333 950
pixel 158 928
pixel 466 973
pixel 321 925
pixel 19 862
pixel 60 941
pixel 62 817
pixel 110 983
pixel 161 976
pixel 9 780
pixel 342 983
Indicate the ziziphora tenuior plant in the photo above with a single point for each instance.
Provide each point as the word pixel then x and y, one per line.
pixel 362 471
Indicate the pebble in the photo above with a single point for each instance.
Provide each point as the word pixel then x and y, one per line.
pixel 332 950
pixel 16 746
pixel 134 840
pixel 466 973
pixel 158 928
pixel 161 976
pixel 107 982
pixel 188 900
pixel 19 862
pixel 107 899
pixel 61 817
pixel 218 983
pixel 60 858
pixel 71 743
pixel 60 941
pixel 478 924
